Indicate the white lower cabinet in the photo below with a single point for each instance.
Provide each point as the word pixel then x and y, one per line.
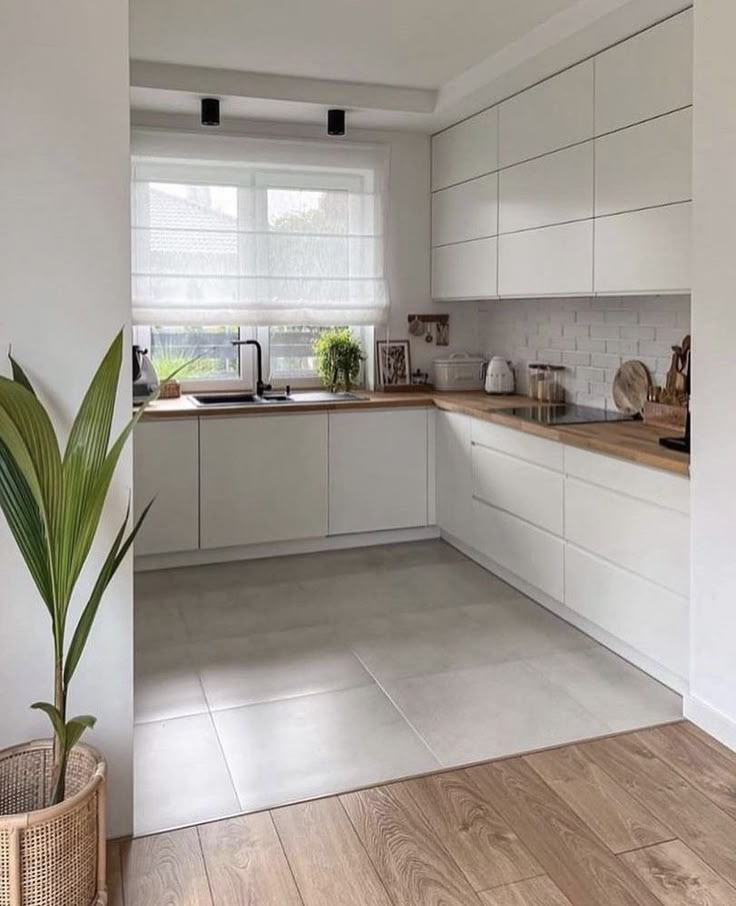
pixel 166 467
pixel 378 470
pixel 535 556
pixel 645 616
pixel 454 475
pixel 263 479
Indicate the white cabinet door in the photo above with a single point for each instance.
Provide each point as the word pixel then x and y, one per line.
pixel 552 115
pixel 166 466
pixel 553 189
pixel 467 211
pixel 645 251
pixel 650 74
pixel 643 615
pixel 639 536
pixel 378 470
pixel 467 270
pixel 263 479
pixel 555 260
pixel 454 480
pixel 531 492
pixel 528 552
pixel 645 165
pixel 466 150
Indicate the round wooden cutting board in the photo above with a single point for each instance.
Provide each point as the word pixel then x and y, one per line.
pixel 631 387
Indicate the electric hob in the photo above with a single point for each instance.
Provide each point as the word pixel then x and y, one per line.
pixel 566 414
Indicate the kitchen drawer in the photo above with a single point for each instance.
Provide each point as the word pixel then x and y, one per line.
pixel 553 189
pixel 645 165
pixel 646 76
pixel 644 252
pixel 553 261
pixel 639 536
pixel 531 492
pixel 467 270
pixel 517 443
pixel 530 553
pixel 660 488
pixel 466 150
pixel 645 616
pixel 552 115
pixel 467 211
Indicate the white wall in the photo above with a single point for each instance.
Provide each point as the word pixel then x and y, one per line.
pixel 409 262
pixel 65 274
pixel 589 337
pixel 712 701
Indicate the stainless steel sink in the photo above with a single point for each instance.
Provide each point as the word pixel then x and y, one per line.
pixel 251 399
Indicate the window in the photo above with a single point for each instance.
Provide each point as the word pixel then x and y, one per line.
pixel 264 233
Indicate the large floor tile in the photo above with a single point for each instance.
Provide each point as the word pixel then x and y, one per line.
pixel 611 688
pixel 484 712
pixel 269 666
pixel 167 684
pixel 318 744
pixel 433 641
pixel 157 621
pixel 181 776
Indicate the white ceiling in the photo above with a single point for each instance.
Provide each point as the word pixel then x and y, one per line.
pixel 392 64
pixel 419 43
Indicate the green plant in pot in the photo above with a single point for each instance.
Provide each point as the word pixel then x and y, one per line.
pixel 53 504
pixel 339 357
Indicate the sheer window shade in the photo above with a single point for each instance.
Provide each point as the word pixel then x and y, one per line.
pixel 259 232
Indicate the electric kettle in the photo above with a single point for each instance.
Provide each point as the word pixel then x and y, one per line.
pixel 499 376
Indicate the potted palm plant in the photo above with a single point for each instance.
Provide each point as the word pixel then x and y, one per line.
pixel 52 792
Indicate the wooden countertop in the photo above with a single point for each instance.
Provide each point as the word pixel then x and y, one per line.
pixel 632 440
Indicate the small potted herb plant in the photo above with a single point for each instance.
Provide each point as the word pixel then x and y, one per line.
pixel 339 358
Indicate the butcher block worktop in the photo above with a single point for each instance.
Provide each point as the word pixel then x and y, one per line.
pixel 632 440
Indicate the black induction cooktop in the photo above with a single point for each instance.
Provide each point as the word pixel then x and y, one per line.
pixel 566 414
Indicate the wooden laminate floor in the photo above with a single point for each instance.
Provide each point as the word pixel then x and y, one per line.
pixel 641 819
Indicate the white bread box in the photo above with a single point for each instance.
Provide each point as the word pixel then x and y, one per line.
pixel 460 371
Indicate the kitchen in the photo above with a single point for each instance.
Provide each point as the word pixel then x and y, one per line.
pixel 480 540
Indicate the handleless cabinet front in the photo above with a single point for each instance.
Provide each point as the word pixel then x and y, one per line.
pixel 263 479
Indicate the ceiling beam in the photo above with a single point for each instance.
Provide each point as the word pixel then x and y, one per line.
pixel 204 81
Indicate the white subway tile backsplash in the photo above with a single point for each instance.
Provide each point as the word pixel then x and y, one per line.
pixel 591 337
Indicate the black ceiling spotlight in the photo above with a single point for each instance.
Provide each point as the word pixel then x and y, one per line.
pixel 210 112
pixel 336 122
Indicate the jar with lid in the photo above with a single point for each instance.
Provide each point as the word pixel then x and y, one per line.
pixel 545 383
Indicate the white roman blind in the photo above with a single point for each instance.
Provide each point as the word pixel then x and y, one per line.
pixel 230 230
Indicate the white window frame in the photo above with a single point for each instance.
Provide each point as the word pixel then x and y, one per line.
pixel 247 380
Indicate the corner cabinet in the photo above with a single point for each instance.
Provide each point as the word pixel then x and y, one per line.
pixel 379 468
pixel 263 479
pixel 166 470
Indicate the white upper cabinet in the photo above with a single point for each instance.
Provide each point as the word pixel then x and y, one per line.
pixel 645 251
pixel 467 270
pixel 650 74
pixel 549 116
pixel 553 189
pixel 645 165
pixel 467 211
pixel 555 260
pixel 466 150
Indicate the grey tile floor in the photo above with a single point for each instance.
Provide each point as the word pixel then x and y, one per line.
pixel 270 681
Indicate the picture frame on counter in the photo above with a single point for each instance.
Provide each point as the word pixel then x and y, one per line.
pixel 393 362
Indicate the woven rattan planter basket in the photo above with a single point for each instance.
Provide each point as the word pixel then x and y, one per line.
pixel 51 856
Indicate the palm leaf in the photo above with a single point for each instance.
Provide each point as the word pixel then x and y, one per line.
pixel 55 717
pixel 113 560
pixel 20 507
pixel 19 376
pixel 85 454
pixel 76 727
